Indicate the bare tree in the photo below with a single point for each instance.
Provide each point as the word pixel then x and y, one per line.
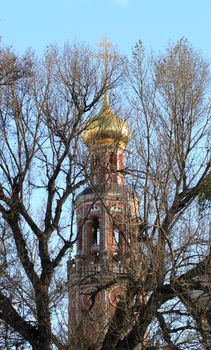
pixel 42 115
pixel 170 165
pixel 43 112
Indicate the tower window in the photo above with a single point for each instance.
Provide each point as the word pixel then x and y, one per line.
pixel 117 237
pixel 96 241
pixel 95 236
pixel 113 161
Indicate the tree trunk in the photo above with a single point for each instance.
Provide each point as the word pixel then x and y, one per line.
pixel 43 317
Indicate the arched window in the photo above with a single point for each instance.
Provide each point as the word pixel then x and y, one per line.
pixel 95 249
pixel 95 238
pixel 118 231
pixel 117 238
pixel 113 161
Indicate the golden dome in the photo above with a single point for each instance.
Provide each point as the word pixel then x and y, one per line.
pixel 107 128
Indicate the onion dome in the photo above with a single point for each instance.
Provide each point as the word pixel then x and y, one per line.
pixel 106 128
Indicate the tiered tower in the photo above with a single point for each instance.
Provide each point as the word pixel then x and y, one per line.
pixel 106 223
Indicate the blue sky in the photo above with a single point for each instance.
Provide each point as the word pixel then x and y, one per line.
pixel 37 23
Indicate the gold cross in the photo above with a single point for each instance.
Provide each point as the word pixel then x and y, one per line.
pixel 106 46
pixel 105 55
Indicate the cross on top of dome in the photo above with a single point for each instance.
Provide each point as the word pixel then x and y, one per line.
pixel 105 53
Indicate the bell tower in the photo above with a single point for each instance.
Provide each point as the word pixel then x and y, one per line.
pixel 106 212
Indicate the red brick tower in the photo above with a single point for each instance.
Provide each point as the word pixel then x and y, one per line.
pixel 106 211
pixel 107 226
